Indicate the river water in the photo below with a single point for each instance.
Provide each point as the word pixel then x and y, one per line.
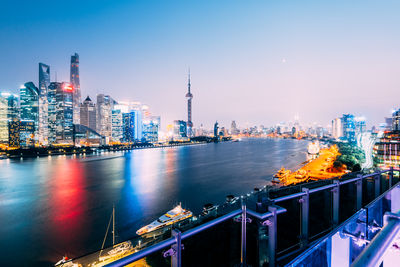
pixel 52 206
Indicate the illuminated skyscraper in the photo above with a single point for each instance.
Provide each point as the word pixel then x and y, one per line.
pixel 151 126
pixel 52 111
pixel 44 82
pixel 189 97
pixel 29 113
pixel 88 114
pixel 74 80
pixel 337 130
pixel 8 112
pixel 105 106
pixel 180 129
pixel 64 113
pixel 132 126
pixel 349 128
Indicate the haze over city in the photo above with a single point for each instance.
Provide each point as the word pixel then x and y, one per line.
pixel 254 62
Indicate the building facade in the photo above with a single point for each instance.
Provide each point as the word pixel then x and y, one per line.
pixel 88 114
pixel 44 82
pixel 8 112
pixel 337 130
pixel 151 128
pixel 132 126
pixel 349 128
pixel 180 129
pixel 104 115
pixel 75 81
pixel 29 112
pixel 64 114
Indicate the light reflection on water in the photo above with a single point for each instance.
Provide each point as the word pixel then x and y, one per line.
pixel 59 205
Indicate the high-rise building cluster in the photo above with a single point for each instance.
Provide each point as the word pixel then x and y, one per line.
pixel 53 114
pixel 348 127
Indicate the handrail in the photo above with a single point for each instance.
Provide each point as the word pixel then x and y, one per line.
pixel 172 240
pixel 373 254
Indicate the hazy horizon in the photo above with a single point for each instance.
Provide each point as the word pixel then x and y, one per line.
pixel 253 62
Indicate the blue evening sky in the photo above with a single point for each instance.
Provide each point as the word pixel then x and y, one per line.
pixel 256 62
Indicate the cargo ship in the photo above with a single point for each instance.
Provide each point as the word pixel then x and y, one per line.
pixel 175 215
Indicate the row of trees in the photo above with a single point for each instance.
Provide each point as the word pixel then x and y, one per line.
pixel 351 156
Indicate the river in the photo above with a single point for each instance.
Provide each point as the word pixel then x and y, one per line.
pixel 60 205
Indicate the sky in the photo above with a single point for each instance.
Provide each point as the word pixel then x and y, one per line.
pixel 256 62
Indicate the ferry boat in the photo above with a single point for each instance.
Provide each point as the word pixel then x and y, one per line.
pixel 282 174
pixel 208 208
pixel 175 215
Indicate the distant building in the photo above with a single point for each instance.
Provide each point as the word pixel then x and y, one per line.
pixel 14 133
pixel 389 124
pixel 27 133
pixel 64 114
pixel 349 128
pixel 104 115
pixel 52 111
pixel 396 120
pixel 151 127
pixel 132 126
pixel 216 129
pixel 8 112
pixel 337 130
pixel 88 114
pixel 29 111
pixel 386 151
pixel 75 81
pixel 117 129
pixel 180 129
pixel 44 82
pixel 360 124
pixel 234 129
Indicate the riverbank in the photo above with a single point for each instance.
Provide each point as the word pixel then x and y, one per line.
pixel 85 150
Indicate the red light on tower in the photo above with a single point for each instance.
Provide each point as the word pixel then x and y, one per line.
pixel 68 87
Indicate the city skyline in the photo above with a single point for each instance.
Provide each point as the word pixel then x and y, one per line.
pixel 325 60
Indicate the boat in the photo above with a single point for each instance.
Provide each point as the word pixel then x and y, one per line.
pixel 281 175
pixel 117 251
pixel 208 208
pixel 175 215
pixel 65 262
pixel 231 199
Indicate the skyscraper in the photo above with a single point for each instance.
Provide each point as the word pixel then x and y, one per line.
pixel 180 129
pixel 74 80
pixel 44 82
pixel 8 112
pixel 52 111
pixel 189 97
pixel 104 115
pixel 337 130
pixel 64 113
pixel 151 126
pixel 29 113
pixel 349 128
pixel 88 114
pixel 132 126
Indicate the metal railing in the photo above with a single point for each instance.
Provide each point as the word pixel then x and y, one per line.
pixel 269 219
pixel 373 254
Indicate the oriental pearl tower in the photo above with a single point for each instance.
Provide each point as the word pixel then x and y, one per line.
pixel 189 97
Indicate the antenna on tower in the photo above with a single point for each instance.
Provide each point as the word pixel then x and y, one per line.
pixel 189 80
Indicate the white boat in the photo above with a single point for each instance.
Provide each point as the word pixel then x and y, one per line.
pixel 175 215
pixel 65 262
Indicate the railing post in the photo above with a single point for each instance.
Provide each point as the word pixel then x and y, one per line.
pixel 272 236
pixel 177 247
pixel 377 181
pixel 336 203
pixel 391 177
pixel 359 192
pixel 305 205
pixel 243 239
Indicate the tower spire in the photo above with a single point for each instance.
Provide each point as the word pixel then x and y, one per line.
pixel 189 97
